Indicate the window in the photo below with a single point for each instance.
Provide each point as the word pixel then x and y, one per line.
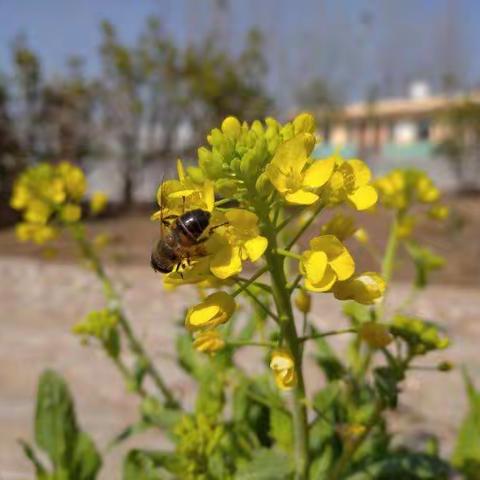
pixel 423 130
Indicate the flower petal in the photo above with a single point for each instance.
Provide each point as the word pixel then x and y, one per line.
pixel 226 262
pixel 319 173
pixel 361 172
pixel 343 265
pixel 326 283
pixel 293 154
pixel 276 177
pixel 301 197
pixel 314 265
pixel 255 247
pixel 363 197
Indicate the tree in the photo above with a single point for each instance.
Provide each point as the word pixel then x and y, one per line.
pixel 461 145
pixel 67 110
pixel 139 98
pixel 220 84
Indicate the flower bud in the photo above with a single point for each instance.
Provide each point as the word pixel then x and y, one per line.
pixel 376 335
pixel 303 301
pixel 283 367
pixel 209 342
pixel 98 202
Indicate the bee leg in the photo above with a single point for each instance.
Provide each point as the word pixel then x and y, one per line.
pixel 168 220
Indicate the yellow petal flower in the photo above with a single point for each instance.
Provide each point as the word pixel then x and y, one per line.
pixel 376 335
pixel 283 367
pixel 209 342
pixel 98 202
pixel 216 309
pixel 367 288
pixel 338 256
pixel 360 171
pixel 70 213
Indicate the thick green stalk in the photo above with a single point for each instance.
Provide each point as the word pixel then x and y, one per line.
pixel 388 262
pixel 281 296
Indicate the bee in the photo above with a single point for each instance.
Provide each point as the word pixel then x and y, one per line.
pixel 181 240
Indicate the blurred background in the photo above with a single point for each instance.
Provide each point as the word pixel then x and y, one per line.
pixel 124 88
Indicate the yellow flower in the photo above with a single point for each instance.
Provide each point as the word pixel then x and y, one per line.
pixel 327 262
pixel 235 242
pixel 37 211
pixel 392 189
pixel 427 192
pixel 209 342
pixel 98 202
pixel 70 213
pixel 176 197
pixel 283 367
pixel 361 235
pixel 439 212
pixel 303 301
pixel 73 180
pixel 405 226
pixel 294 175
pixel 216 309
pixel 350 181
pixel 341 226
pixel 367 288
pixel 37 233
pixel 375 335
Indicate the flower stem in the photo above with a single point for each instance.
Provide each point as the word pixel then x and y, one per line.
pixel 281 295
pixel 113 298
pixel 327 334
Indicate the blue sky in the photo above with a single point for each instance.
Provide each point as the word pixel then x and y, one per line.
pixel 345 40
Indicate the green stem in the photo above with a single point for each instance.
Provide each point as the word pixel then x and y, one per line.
pixel 247 343
pixel 281 295
pixel 113 298
pixel 388 263
pixel 251 280
pixel 328 334
pixel 287 253
pixel 261 305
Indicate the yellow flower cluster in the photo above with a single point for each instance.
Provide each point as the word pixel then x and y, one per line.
pixel 328 267
pixel 402 188
pixel 50 196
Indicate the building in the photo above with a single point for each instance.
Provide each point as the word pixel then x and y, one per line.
pixel 391 130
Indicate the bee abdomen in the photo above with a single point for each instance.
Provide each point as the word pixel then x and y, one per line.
pixel 194 223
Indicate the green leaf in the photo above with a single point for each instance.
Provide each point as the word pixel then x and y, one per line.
pixel 425 261
pixel 40 471
pixel 148 465
pixel 405 466
pixel 466 455
pixel 56 428
pixel 86 460
pixel 266 465
pixel 281 428
pixel 386 380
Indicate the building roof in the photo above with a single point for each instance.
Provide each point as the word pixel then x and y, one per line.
pixel 395 107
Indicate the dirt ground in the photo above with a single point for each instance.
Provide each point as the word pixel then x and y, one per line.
pixel 41 300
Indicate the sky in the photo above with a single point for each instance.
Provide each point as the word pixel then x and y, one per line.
pixel 354 43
